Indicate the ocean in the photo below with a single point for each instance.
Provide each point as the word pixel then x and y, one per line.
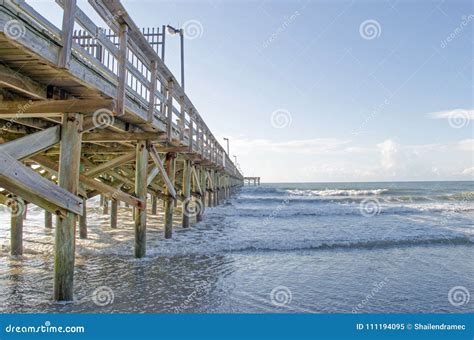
pixel 404 247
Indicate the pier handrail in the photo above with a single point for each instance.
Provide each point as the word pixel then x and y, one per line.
pixel 141 75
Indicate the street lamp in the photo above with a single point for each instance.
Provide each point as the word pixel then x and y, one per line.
pixel 227 140
pixel 173 31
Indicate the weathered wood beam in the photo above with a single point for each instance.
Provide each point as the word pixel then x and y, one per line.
pixel 151 176
pixel 141 172
pixel 93 183
pixel 186 192
pixel 122 68
pixel 65 240
pixel 109 136
pixel 170 166
pixel 110 165
pixel 66 33
pixel 32 187
pixel 196 180
pixel 29 145
pixel 18 82
pixel 52 107
pixel 164 174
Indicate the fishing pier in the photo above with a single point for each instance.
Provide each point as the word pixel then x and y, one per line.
pixel 88 111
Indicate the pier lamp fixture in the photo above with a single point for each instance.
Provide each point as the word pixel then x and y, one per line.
pixel 173 31
pixel 227 140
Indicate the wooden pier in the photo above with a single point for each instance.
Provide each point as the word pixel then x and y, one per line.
pixel 101 115
pixel 252 180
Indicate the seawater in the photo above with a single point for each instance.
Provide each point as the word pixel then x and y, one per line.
pixel 274 248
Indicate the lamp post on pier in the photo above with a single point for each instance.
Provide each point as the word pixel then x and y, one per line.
pixel 180 31
pixel 227 140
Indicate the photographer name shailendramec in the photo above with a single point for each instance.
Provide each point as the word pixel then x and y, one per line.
pixel 438 327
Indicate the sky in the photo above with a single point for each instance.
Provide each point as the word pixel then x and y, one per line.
pixel 327 91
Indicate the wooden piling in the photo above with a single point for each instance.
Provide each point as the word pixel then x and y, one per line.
pixel 48 220
pixel 141 173
pixel 69 162
pixel 105 206
pixel 154 201
pixel 83 220
pixel 16 236
pixel 113 214
pixel 186 192
pixel 170 165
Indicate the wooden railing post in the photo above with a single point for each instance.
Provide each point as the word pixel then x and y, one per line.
pixel 169 110
pixel 151 100
pixel 66 33
pixel 122 69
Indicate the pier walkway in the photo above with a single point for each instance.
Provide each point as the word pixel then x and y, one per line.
pixel 105 119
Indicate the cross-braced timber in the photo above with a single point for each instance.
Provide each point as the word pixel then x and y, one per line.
pixel 94 112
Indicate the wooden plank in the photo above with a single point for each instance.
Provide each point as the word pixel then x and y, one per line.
pixel 83 220
pixel 151 176
pixel 24 182
pixel 24 109
pixel 94 184
pixel 110 164
pixel 29 145
pixel 197 180
pixel 170 167
pixel 16 81
pixel 109 136
pixel 122 69
pixel 159 163
pixel 66 33
pixel 151 100
pixel 141 192
pixel 186 192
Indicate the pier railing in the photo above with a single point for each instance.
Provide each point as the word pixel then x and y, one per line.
pixel 126 57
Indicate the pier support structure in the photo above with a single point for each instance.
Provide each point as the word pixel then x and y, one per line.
pixel 170 167
pixel 141 173
pixel 69 162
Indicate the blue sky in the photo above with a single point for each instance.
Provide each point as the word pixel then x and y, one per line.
pixel 305 94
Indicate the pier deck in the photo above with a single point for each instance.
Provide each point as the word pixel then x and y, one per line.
pixel 109 120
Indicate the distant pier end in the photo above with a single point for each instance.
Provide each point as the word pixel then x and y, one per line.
pixel 252 180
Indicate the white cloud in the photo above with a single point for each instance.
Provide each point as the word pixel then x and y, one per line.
pixel 465 114
pixel 468 171
pixel 327 159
